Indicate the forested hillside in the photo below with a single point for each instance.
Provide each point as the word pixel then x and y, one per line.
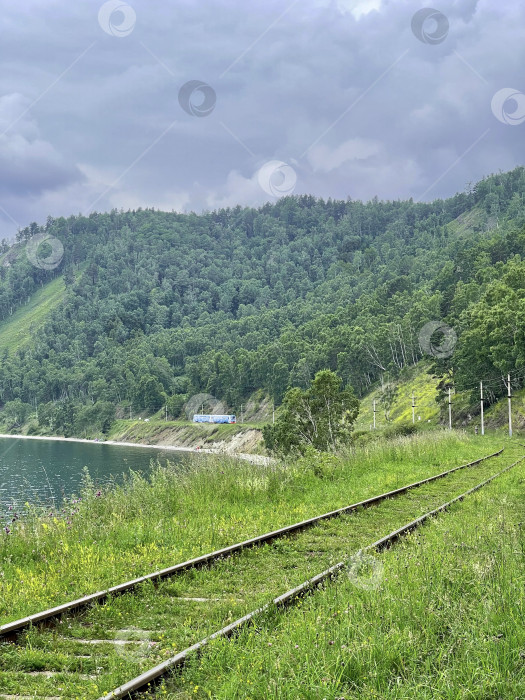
pixel 159 306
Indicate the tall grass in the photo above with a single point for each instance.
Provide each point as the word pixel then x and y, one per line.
pixel 176 512
pixel 445 621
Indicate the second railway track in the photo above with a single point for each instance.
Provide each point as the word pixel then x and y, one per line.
pixel 87 655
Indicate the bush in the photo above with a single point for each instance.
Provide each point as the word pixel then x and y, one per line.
pixel 33 428
pixel 402 430
pixel 322 465
pixel 363 437
pixel 15 413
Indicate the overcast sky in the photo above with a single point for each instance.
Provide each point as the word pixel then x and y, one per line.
pixel 209 103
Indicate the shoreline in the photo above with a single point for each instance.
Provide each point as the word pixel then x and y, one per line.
pixel 255 459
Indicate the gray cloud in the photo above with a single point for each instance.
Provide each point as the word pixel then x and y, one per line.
pixel 341 90
pixel 29 165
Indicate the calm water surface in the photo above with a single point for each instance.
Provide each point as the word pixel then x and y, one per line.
pixel 44 471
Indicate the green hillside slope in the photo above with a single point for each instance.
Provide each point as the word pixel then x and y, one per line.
pixel 158 307
pixel 17 331
pixel 415 380
pixel 431 412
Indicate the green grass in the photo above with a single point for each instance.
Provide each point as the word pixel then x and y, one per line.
pixel 465 224
pixel 423 384
pixel 183 511
pixel 497 416
pixel 144 525
pixel 442 617
pixel 415 379
pixel 19 328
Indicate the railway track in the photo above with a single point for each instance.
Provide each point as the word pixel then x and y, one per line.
pixel 11 630
pixel 90 649
pixel 146 680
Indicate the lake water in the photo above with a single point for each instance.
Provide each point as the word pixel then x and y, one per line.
pixel 44 471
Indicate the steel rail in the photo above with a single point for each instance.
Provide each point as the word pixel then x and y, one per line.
pixel 11 630
pixel 148 678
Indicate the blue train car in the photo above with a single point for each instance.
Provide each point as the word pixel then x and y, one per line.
pixel 213 418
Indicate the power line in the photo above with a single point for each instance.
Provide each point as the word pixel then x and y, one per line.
pixel 499 380
pixel 492 381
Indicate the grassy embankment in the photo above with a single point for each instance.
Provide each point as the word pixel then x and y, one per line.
pixel 415 379
pixel 446 620
pixel 174 515
pixel 428 413
pixel 142 526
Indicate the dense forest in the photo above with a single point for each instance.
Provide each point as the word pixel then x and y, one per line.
pixel 159 306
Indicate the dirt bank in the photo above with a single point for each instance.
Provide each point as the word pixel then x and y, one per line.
pixel 230 439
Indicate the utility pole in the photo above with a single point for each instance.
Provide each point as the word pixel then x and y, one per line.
pixel 273 412
pixel 449 408
pixel 130 412
pixel 166 407
pixel 413 408
pixel 482 417
pixel 510 411
pixel 374 414
pixel 242 415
